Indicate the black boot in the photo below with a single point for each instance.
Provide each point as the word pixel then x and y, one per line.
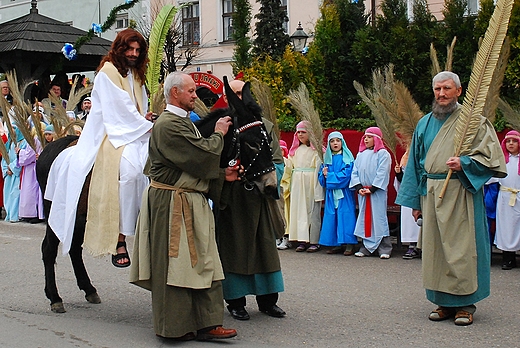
pixel 508 260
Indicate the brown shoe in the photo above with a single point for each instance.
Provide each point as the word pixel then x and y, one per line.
pixel 217 333
pixel 348 252
pixel 442 313
pixel 463 318
pixel 335 250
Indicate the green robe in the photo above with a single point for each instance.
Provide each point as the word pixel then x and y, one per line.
pixel 185 297
pixel 454 241
pixel 248 225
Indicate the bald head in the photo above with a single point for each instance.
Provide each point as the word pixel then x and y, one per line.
pixel 236 86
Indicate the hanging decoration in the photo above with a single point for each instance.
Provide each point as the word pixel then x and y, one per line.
pixel 70 51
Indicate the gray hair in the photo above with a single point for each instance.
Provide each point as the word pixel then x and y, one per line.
pixel 174 79
pixel 446 75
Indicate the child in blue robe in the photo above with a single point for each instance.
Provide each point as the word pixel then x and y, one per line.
pixel 339 218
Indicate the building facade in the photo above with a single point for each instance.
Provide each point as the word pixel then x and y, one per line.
pixel 208 24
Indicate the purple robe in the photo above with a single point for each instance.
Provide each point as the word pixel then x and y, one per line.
pixel 31 200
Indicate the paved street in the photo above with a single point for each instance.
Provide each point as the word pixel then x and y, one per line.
pixel 331 301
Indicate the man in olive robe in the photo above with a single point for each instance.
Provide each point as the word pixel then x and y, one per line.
pixel 175 251
pixel 454 239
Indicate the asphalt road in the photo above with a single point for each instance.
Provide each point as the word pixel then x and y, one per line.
pixel 331 301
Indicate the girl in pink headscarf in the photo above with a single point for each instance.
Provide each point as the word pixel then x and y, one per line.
pixel 370 177
pixel 302 192
pixel 507 236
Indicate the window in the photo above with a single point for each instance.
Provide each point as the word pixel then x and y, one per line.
pixel 228 9
pixel 473 7
pixel 191 25
pixel 285 25
pixel 122 21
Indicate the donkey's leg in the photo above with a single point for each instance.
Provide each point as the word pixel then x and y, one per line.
pixel 76 257
pixel 49 253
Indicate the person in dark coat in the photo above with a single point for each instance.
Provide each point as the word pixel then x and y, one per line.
pixel 248 224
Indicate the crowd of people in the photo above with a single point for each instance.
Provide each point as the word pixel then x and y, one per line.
pixel 202 239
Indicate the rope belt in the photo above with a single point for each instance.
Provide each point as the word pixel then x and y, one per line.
pixel 512 198
pixel 181 208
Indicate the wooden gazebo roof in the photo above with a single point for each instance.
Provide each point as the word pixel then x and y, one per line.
pixel 32 45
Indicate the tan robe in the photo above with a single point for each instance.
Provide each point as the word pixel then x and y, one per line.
pixel 448 235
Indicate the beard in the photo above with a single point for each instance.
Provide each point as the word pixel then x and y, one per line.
pixel 131 63
pixel 441 112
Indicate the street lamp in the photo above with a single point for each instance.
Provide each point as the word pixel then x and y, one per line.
pixel 299 38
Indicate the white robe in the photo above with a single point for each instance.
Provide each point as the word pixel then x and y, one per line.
pixel 409 228
pixel 114 114
pixel 300 181
pixel 507 236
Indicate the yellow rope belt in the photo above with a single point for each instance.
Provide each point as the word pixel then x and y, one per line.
pixel 181 208
pixel 512 198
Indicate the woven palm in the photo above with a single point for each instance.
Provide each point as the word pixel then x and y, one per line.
pixel 264 97
pixel 302 103
pixel 382 102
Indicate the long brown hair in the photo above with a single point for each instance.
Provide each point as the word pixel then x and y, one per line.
pixel 116 55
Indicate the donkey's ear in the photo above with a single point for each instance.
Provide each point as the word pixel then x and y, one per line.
pixel 234 102
pixel 250 101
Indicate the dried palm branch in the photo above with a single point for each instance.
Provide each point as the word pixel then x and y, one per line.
pixel 511 116
pixel 381 101
pixel 4 105
pixel 200 108
pixel 76 94
pixel 69 129
pixel 58 116
pixel 436 67
pixel 21 111
pixel 304 106
pixel 468 122
pixel 264 98
pixel 491 104
pixel 408 114
pixel 157 100
pixel 36 118
pixel 160 27
pixel 449 57
pixel 7 117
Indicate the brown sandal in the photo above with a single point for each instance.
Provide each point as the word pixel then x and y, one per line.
pixel 442 313
pixel 463 318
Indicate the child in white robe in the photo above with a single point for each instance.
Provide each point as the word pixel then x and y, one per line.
pixel 409 228
pixel 507 235
pixel 302 191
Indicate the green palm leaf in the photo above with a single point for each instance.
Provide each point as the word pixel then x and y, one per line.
pixel 156 48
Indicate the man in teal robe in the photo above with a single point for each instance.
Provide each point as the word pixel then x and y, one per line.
pixel 456 254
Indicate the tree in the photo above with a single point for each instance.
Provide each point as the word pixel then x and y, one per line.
pixel 241 23
pixel 271 39
pixel 512 75
pixel 281 76
pixel 458 23
pixel 332 63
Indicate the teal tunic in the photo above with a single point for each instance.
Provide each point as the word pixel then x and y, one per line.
pixel 456 266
